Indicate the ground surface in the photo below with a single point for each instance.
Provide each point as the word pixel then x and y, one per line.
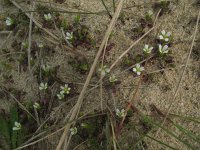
pixel 157 86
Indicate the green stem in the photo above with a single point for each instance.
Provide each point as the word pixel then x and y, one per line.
pixel 106 9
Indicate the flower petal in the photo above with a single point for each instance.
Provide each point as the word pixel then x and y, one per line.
pixel 163 32
pixel 166 39
pixel 165 48
pixel 146 46
pixel 168 34
pixel 161 37
pixel 134 69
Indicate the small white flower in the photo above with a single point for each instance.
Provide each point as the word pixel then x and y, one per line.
pixel 121 113
pixel 103 70
pixel 84 125
pixel 47 17
pixel 43 86
pixel 17 126
pixel 163 49
pixel 147 49
pixel 69 36
pixel 9 21
pixel 150 13
pixel 73 130
pixel 112 78
pixel 65 89
pixel 25 44
pixel 138 69
pixel 36 105
pixel 61 95
pixel 165 36
pixel 40 45
pixel 46 68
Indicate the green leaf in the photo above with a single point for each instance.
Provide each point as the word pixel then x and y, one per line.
pixel 188 133
pixel 168 132
pixel 13 118
pixel 4 130
pixel 160 142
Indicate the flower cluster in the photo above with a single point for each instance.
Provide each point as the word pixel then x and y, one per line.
pixel 47 17
pixel 43 86
pixel 120 113
pixel 163 49
pixel 147 49
pixel 25 44
pixel 112 78
pixel 165 36
pixel 36 105
pixel 46 68
pixel 17 126
pixel 73 130
pixel 69 36
pixel 40 45
pixel 9 21
pixel 64 90
pixel 138 69
pixel 103 70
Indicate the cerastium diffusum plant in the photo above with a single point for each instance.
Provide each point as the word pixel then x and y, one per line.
pixel 43 86
pixel 17 126
pixel 64 90
pixel 165 36
pixel 112 78
pixel 69 36
pixel 120 113
pixel 103 70
pixel 147 49
pixel 9 21
pixel 73 131
pixel 163 49
pixel 138 69
pixel 36 105
pixel 47 17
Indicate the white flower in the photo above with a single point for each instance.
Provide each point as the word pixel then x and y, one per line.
pixel 40 45
pixel 84 125
pixel 36 105
pixel 147 49
pixel 138 69
pixel 47 17
pixel 17 126
pixel 43 86
pixel 150 13
pixel 73 131
pixel 46 68
pixel 121 113
pixel 163 49
pixel 9 21
pixel 103 70
pixel 69 36
pixel 65 89
pixel 165 36
pixel 25 44
pixel 112 78
pixel 60 95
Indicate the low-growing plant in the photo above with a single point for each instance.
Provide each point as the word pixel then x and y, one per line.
pixel 138 69
pixel 11 130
